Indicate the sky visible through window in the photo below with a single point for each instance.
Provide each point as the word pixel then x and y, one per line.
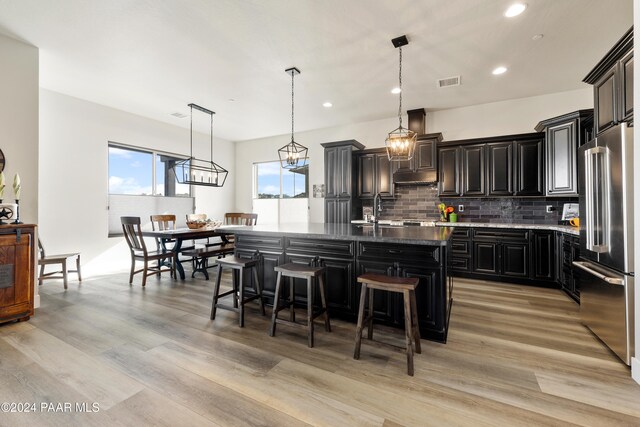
pixel 129 171
pixel 268 181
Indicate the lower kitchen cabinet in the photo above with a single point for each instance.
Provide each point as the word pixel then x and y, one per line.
pixel 569 251
pixel 516 255
pixel 514 260
pixel 544 255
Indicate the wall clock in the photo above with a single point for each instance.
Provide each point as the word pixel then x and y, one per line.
pixel 2 161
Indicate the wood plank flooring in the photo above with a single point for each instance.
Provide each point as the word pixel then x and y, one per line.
pixel 516 356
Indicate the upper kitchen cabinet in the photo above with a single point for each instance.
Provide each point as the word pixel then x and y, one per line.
pixel 528 178
pixel 338 179
pixel 510 165
pixel 563 135
pixel 473 170
pixel 449 171
pixel 612 80
pixel 423 167
pixel 375 174
pixel 500 163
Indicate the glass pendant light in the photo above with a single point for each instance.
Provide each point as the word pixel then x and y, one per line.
pixel 194 171
pixel 401 142
pixel 293 155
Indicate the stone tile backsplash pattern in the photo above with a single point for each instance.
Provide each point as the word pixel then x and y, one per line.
pixel 420 202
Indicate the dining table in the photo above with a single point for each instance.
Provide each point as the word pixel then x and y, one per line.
pixel 179 235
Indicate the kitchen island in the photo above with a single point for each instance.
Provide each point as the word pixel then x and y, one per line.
pixel 348 250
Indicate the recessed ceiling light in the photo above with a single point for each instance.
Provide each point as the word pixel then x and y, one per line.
pixel 327 105
pixel 499 70
pixel 515 10
pixel 537 37
pixel 395 90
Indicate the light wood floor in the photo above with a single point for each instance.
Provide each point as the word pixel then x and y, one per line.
pixel 516 356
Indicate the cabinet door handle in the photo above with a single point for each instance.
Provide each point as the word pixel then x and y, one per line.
pixel 395 251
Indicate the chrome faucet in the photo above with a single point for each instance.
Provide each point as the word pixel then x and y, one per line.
pixel 377 206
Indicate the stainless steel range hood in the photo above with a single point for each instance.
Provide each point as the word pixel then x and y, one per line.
pixel 410 172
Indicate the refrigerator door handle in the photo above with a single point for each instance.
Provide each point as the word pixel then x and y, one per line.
pixel 611 280
pixel 597 192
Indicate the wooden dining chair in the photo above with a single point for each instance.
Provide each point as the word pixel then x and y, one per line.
pixel 248 219
pixel 60 259
pixel 133 235
pixel 233 218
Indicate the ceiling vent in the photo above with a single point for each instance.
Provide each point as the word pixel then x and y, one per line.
pixel 179 115
pixel 449 81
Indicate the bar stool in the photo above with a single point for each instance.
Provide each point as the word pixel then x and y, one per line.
pixel 238 266
pixel 312 274
pixel 402 285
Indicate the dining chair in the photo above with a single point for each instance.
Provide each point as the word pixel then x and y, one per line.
pixel 233 218
pixel 248 219
pixel 133 235
pixel 60 259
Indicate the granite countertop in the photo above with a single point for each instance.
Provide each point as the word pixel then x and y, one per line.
pixel 551 227
pixel 383 233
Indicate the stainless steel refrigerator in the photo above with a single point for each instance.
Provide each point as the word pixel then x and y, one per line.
pixel 605 268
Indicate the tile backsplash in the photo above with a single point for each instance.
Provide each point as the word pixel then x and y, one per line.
pixel 420 202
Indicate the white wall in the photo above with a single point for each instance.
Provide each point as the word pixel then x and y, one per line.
pixel 635 362
pixel 74 174
pixel 498 118
pixel 19 122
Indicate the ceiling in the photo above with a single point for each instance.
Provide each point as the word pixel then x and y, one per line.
pixel 153 57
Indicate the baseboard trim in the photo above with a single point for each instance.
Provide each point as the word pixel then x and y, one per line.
pixel 635 369
pixel 36 301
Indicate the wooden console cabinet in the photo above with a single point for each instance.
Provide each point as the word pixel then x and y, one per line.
pixel 17 269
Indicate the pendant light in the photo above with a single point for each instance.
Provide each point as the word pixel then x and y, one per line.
pixel 401 142
pixel 194 171
pixel 292 155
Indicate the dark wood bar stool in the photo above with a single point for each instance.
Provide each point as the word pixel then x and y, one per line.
pixel 312 274
pixel 402 285
pixel 238 267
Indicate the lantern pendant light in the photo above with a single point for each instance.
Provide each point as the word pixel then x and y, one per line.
pixel 194 171
pixel 292 155
pixel 401 142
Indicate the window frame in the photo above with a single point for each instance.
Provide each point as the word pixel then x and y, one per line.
pixel 154 153
pixel 254 167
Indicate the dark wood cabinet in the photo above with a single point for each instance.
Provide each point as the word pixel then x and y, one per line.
pixel 337 210
pixel 366 175
pixel 500 169
pixel 509 165
pixel 449 171
pixel 514 260
pixel 473 170
pixel 485 257
pixel 544 255
pixel 564 134
pixel 338 179
pixel 425 158
pixel 568 250
pixel 529 168
pixel 375 174
pixel 612 80
pixel 385 304
pixel 626 91
pixel 562 165
pixel 17 266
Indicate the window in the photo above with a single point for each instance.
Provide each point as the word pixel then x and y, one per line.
pixel 142 183
pixel 132 172
pixel 274 182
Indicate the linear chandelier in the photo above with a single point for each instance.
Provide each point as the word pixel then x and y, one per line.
pixel 195 171
pixel 401 142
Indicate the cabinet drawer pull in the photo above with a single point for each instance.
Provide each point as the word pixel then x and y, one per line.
pixel 395 251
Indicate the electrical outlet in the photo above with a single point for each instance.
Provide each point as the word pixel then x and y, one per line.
pixel 460 208
pixel 549 208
